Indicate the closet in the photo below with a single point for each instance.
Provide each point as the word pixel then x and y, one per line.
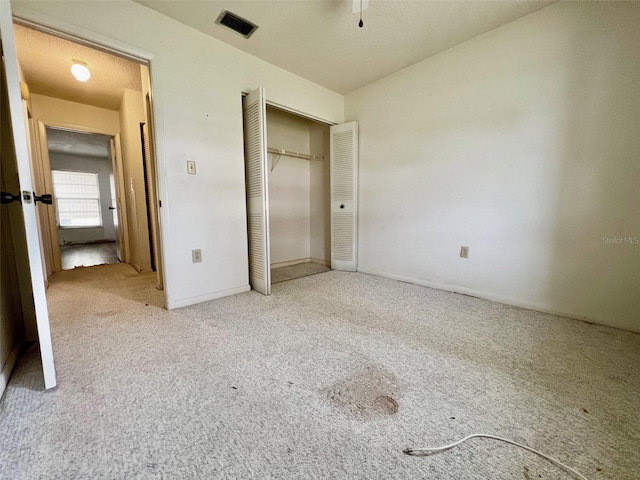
pixel 301 187
pixel 299 200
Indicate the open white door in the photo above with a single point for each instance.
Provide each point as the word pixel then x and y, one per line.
pixel 255 159
pixel 18 126
pixel 344 196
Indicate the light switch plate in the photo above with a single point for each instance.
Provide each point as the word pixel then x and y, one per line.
pixel 191 167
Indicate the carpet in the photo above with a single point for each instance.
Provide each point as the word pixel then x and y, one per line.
pixel 332 376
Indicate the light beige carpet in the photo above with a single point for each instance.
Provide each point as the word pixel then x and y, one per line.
pixel 329 377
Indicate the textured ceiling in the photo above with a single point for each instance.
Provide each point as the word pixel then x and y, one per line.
pixel 46 61
pixel 78 143
pixel 320 39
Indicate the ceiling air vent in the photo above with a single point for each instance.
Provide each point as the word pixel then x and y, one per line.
pixel 236 23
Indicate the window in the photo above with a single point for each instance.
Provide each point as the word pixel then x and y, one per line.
pixel 77 199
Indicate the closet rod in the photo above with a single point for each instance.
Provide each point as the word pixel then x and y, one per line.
pixel 287 153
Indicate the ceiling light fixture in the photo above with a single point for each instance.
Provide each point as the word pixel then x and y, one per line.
pixel 80 71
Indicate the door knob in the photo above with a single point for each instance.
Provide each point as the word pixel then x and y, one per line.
pixel 46 198
pixel 112 208
pixel 342 205
pixel 7 197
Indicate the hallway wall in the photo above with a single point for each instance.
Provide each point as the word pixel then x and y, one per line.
pixel 131 114
pixel 54 111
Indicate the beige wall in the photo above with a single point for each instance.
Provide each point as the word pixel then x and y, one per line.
pixel 289 206
pixel 131 115
pixel 523 145
pixel 53 111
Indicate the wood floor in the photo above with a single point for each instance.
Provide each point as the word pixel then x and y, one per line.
pixel 87 255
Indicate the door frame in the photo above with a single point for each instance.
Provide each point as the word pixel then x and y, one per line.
pixel 298 113
pixel 62 29
pixel 45 161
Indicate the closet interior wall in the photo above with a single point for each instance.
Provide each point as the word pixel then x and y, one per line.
pixel 299 205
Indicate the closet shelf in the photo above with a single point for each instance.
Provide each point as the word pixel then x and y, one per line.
pixel 287 153
pixel 280 152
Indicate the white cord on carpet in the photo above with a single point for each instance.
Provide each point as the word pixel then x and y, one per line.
pixel 426 450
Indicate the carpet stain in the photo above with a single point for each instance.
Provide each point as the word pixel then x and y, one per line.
pixel 386 404
pixel 368 393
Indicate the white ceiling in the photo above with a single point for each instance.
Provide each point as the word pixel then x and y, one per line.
pixel 46 62
pixel 320 39
pixel 78 143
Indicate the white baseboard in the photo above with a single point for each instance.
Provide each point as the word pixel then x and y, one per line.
pixel 185 302
pixel 538 307
pixel 288 263
pixel 7 369
pixel 318 261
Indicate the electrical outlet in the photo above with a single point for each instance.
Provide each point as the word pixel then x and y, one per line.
pixel 464 252
pixel 191 167
pixel 196 255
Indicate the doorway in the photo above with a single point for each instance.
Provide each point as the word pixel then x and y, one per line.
pixel 94 132
pixel 87 222
pixel 36 102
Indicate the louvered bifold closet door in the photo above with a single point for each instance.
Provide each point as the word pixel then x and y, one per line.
pixel 344 196
pixel 255 158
